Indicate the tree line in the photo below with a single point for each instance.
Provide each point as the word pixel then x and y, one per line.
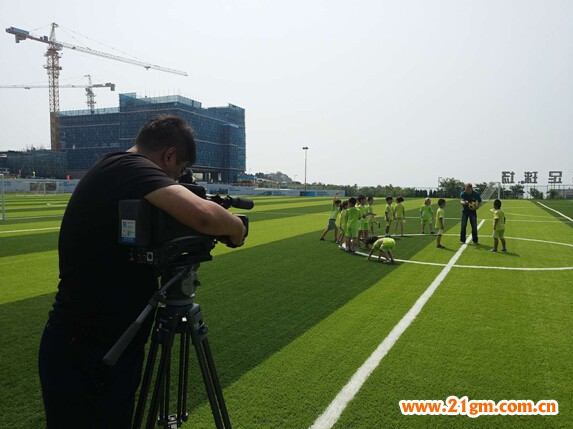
pixel 448 188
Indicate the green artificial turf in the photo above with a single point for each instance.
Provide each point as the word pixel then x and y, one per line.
pixel 292 318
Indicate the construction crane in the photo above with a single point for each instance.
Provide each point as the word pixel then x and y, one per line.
pixel 53 67
pixel 89 89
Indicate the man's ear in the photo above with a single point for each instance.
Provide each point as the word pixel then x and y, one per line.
pixel 170 155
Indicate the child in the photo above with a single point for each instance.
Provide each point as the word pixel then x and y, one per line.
pixel 498 226
pixel 388 215
pixel 440 222
pixel 363 221
pixel 372 215
pixel 342 226
pixel 352 215
pixel 332 220
pixel 399 215
pixel 384 246
pixel 426 216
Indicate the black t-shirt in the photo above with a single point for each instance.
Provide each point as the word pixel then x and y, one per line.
pixel 101 292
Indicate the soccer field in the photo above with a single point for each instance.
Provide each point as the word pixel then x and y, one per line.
pixel 305 334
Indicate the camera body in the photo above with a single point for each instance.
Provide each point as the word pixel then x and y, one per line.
pixel 157 239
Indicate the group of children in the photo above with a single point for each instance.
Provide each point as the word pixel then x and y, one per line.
pixel 356 222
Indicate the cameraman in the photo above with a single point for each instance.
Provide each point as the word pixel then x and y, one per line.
pixel 100 291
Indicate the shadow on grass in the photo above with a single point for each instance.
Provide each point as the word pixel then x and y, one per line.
pixel 29 243
pixel 20 397
pixel 255 301
pixel 289 212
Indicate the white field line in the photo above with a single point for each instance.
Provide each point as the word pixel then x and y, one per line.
pixel 333 412
pixel 529 215
pixel 435 264
pixel 30 230
pixel 433 236
pixel 553 210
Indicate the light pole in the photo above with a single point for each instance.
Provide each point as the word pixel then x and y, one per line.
pixel 305 148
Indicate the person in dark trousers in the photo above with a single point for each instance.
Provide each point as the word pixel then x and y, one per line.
pixel 101 292
pixel 470 202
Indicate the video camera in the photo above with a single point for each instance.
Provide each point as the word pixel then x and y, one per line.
pixel 155 238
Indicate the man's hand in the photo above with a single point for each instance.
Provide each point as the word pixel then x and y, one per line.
pixel 237 240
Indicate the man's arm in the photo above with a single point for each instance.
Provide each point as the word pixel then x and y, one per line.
pixel 202 215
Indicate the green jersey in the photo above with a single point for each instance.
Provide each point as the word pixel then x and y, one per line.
pixel 370 218
pixel 426 212
pixel 343 219
pixel 352 215
pixel 334 212
pixel 399 211
pixel 500 216
pixel 364 216
pixel 440 214
pixel 388 212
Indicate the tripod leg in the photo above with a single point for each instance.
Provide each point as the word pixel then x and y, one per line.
pixel 164 399
pixel 146 382
pixel 160 381
pixel 216 382
pixel 182 415
pixel 212 385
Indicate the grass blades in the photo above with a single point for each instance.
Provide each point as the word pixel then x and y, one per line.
pixel 292 318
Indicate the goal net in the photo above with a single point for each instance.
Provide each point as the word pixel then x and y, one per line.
pixel 493 188
pixel 45 187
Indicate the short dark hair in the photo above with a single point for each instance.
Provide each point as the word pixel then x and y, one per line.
pixel 497 204
pixel 389 199
pixel 441 202
pixel 164 131
pixel 400 199
pixel 352 200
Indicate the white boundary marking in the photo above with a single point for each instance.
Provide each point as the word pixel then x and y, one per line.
pixel 30 230
pixel 553 210
pixel 333 412
pixel 437 264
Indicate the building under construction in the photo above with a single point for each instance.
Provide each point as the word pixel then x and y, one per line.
pixel 219 132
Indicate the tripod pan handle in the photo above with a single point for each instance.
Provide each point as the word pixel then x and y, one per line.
pixel 119 347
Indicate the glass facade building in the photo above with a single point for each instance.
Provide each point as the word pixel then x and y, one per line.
pixel 219 132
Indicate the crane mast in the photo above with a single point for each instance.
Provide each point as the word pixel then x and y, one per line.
pixel 53 68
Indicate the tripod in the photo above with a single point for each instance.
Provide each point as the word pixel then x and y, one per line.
pixel 178 316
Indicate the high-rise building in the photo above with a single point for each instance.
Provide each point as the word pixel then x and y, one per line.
pixel 219 133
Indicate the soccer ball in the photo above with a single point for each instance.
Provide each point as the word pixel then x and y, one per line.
pixel 472 205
